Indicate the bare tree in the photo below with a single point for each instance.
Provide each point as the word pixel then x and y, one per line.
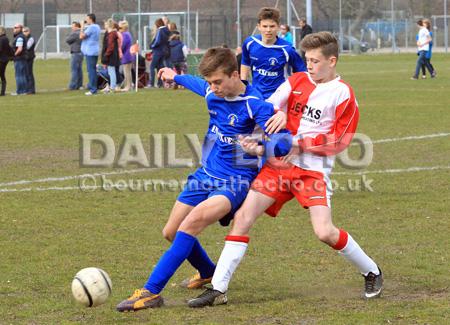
pixel 14 5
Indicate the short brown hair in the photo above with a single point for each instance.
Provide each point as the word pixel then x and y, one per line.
pixel 218 58
pixel 159 22
pixel 325 41
pixel 269 13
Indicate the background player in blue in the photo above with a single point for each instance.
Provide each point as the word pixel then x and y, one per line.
pixel 217 189
pixel 267 56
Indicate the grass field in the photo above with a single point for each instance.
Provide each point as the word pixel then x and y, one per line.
pixel 50 229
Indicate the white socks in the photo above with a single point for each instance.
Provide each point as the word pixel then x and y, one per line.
pixel 354 254
pixel 232 254
pixel 236 246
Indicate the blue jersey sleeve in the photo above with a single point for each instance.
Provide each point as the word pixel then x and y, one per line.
pixel 245 54
pixel 194 84
pixel 295 61
pixel 261 111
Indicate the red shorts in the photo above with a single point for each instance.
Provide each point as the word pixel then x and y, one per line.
pixel 309 187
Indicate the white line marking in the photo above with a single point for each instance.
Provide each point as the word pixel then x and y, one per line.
pixel 56 188
pixel 414 137
pixel 90 189
pixel 66 178
pixel 141 170
pixel 393 171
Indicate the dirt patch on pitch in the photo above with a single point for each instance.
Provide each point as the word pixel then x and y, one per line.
pixel 43 157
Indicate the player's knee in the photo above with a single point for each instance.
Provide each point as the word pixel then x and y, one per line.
pixel 242 222
pixel 324 234
pixel 194 223
pixel 168 234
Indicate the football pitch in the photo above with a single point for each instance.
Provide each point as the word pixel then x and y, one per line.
pixel 397 208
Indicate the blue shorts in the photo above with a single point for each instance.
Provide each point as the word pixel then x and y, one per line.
pixel 200 186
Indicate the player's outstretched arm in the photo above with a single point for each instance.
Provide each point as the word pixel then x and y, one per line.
pixel 195 84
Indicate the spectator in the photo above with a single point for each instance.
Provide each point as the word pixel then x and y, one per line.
pixel 178 55
pixel 427 24
pixel 120 40
pixel 20 62
pixel 423 46
pixel 285 33
pixel 127 57
pixel 90 48
pixel 30 56
pixel 173 29
pixel 6 54
pixel 76 61
pixel 160 50
pixel 305 30
pixel 110 53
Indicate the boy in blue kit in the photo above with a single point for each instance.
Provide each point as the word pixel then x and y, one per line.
pixel 267 56
pixel 217 189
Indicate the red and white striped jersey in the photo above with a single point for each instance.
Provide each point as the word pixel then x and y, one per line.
pixel 323 118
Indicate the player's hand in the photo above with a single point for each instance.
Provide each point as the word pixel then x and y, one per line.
pixel 250 146
pixel 276 123
pixel 166 74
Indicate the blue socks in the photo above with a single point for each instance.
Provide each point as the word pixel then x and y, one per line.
pixel 183 247
pixel 201 261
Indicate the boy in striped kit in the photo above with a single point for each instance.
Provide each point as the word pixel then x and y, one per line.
pixel 322 117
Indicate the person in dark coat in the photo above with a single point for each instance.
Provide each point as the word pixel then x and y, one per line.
pixel 30 55
pixel 76 61
pixel 160 50
pixel 305 30
pixel 6 54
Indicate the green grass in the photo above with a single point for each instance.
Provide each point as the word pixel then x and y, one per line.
pixel 288 277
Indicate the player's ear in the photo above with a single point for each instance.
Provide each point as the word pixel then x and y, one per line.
pixel 333 61
pixel 235 74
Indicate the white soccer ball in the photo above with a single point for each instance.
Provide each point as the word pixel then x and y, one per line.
pixel 91 286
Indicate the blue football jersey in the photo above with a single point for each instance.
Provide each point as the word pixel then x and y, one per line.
pixel 222 157
pixel 269 63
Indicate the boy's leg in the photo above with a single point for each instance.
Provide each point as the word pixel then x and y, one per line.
pixel 179 212
pixel 234 250
pixel 198 257
pixel 341 241
pixel 204 214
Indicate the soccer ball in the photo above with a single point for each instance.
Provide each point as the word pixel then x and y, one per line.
pixel 91 286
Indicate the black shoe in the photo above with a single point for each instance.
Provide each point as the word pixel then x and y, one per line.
pixel 373 285
pixel 209 297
